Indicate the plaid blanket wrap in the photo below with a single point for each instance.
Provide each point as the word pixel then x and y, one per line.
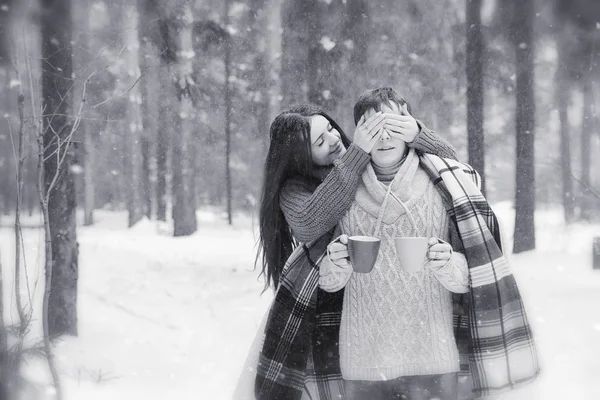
pixel 300 356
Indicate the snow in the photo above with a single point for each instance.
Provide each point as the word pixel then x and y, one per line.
pixel 175 316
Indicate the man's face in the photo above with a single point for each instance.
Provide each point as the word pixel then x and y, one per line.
pixel 389 150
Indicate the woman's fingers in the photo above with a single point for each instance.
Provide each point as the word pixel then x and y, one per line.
pixel 374 121
pixel 405 109
pixel 398 125
pixel 337 247
pixel 369 121
pixel 336 255
pixel 436 263
pixel 398 117
pixel 438 256
pixel 361 121
pixel 440 247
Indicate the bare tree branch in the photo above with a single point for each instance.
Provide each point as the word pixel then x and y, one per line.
pixel 68 140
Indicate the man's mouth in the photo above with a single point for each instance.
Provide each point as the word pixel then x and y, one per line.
pixel 386 149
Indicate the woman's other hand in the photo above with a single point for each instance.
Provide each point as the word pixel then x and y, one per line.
pixel 403 126
pixel 439 253
pixel 368 131
pixel 338 252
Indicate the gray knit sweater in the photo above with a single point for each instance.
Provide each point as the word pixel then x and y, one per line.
pixel 314 208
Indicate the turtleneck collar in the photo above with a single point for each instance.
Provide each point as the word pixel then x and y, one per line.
pixel 387 174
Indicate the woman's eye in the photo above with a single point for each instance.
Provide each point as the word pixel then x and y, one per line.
pixel 320 143
pixel 329 127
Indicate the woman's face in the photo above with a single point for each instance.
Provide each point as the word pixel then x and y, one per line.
pixel 325 141
pixel 389 150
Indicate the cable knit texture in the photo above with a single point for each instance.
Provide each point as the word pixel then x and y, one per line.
pixel 313 209
pixel 396 323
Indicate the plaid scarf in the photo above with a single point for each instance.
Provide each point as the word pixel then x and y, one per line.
pixel 300 354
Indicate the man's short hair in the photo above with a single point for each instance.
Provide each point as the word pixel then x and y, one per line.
pixel 375 98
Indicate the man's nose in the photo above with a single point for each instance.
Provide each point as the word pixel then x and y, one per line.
pixel 385 135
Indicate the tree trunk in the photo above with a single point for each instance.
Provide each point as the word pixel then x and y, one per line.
pixel 6 186
pixel 88 176
pixel 162 146
pixel 4 358
pixel 227 90
pixel 356 30
pixel 81 69
pixel 274 53
pixel 262 68
pixel 522 26
pixel 326 66
pixel 150 88
pixel 184 209
pixel 150 85
pixel 475 90
pixel 6 7
pixel 147 174
pixel 563 96
pixel 117 140
pixel 133 135
pixel 59 152
pixel 298 24
pixel 587 127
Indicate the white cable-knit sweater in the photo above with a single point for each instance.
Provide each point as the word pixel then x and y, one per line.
pixel 396 323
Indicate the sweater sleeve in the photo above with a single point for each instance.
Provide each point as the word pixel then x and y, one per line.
pixel 427 141
pixel 314 213
pixel 455 274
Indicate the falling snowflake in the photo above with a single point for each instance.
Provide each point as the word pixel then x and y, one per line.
pixel 327 43
pixel 76 169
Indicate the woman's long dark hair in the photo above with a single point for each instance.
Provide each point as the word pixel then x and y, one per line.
pixel 289 155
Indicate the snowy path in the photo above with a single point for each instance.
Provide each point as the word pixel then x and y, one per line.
pixel 164 317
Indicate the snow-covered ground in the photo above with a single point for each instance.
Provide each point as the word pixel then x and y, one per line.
pixel 172 318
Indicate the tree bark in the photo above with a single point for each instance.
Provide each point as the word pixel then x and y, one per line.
pixel 56 29
pixel 522 29
pixel 5 18
pixel 587 127
pixel 150 88
pixel 356 30
pixel 326 66
pixel 227 89
pixel 475 89
pixel 259 22
pixel 184 209
pixel 298 24
pixel 81 68
pixel 563 96
pixel 162 146
pixel 4 358
pixel 88 176
pixel 133 135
